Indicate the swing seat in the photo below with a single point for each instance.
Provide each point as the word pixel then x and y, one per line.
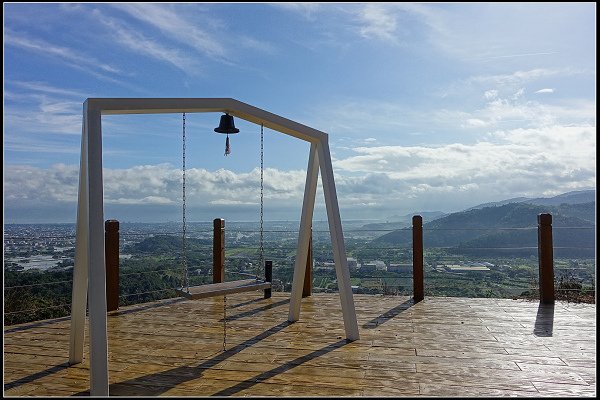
pixel 223 288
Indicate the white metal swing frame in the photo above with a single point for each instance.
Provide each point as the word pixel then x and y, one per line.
pixel 89 280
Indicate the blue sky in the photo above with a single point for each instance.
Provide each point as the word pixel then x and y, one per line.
pixel 428 106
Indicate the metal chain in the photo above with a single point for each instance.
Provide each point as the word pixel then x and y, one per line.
pixel 184 250
pixel 262 249
pixel 224 322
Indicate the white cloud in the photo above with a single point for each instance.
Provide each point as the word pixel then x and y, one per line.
pixel 515 111
pixel 69 56
pixel 228 202
pixel 191 28
pixel 479 32
pixel 155 184
pixel 306 9
pixel 134 40
pixel 476 122
pixel 44 115
pixel 543 53
pixel 549 90
pixel 352 120
pixel 34 146
pixel 490 94
pixel 503 84
pixel 256 45
pixel 518 93
pixel 37 186
pixel 511 163
pixel 43 87
pixel 377 21
pixel 155 200
pixel 176 26
pixel 375 180
pixel 517 78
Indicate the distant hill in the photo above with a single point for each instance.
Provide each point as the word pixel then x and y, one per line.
pixel 584 211
pixel 574 197
pixel 500 203
pixel 491 230
pixel 429 215
pixel 402 221
pixel 167 244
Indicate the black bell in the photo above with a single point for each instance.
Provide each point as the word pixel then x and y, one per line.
pixel 226 125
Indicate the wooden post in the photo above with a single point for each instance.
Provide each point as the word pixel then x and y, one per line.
pixel 268 277
pixel 546 258
pixel 218 250
pixel 417 232
pixel 307 288
pixel 111 255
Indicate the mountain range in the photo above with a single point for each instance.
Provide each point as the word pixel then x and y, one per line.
pixel 575 197
pixel 509 227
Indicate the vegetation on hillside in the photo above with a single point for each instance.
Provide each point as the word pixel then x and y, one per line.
pixel 154 268
pixel 509 229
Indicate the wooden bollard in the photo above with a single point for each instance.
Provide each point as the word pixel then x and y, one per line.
pixel 111 255
pixel 218 250
pixel 268 277
pixel 417 234
pixel 546 258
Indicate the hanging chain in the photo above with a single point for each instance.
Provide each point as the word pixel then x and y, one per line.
pixel 224 322
pixel 185 266
pixel 262 249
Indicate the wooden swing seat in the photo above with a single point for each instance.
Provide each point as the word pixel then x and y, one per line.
pixel 222 288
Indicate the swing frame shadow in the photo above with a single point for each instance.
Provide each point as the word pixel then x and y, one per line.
pixel 89 280
pixel 448 347
pixel 174 377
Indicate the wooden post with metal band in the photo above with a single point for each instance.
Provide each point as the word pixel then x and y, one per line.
pixel 417 233
pixel 546 258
